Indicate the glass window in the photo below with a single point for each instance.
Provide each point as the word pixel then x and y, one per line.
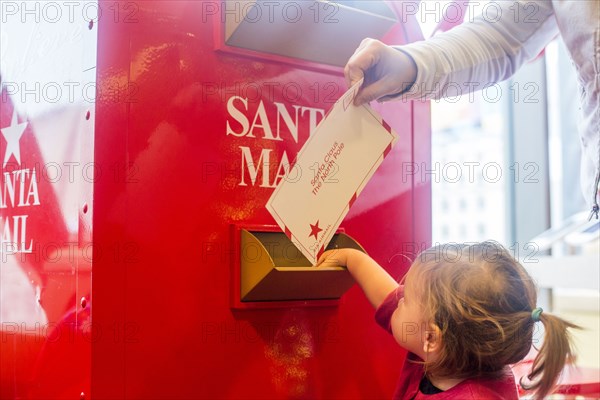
pixel 474 133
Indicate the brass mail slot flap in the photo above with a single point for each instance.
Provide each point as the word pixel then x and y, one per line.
pixel 272 269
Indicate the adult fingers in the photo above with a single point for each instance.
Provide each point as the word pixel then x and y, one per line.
pixel 371 92
pixel 363 59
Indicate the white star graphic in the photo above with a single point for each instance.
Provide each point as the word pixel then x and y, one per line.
pixel 13 134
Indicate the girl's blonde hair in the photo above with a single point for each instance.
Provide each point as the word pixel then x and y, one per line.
pixel 481 299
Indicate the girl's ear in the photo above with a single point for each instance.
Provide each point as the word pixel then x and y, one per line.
pixel 432 342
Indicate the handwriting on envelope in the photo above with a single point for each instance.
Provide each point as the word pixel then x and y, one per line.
pixel 330 171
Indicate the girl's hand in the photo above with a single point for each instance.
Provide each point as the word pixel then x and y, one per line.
pixel 335 257
pixel 370 276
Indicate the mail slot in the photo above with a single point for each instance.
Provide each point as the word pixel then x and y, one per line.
pixel 271 270
pixel 308 30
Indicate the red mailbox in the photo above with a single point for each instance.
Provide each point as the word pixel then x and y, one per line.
pixel 133 290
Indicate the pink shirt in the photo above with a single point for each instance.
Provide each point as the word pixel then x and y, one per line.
pixel 412 373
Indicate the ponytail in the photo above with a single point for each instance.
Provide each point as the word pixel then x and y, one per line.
pixel 556 351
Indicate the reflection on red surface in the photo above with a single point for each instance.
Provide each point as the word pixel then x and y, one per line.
pixel 40 253
pixel 43 271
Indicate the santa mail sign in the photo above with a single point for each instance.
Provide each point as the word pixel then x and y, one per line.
pixel 18 191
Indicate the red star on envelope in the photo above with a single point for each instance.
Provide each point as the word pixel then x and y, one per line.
pixel 314 230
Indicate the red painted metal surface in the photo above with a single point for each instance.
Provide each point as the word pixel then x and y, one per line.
pixel 168 184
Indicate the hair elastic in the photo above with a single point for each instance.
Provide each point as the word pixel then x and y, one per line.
pixel 535 314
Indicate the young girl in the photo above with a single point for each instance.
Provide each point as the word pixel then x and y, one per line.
pixel 465 313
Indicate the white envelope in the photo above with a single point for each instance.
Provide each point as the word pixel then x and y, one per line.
pixel 330 171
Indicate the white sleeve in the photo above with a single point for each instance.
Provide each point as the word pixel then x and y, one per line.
pixel 486 50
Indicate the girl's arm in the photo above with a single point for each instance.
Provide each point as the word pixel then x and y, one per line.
pixel 375 282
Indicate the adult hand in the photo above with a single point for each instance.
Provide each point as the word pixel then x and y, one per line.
pixel 387 71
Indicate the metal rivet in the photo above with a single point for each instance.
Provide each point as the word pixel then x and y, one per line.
pixel 83 302
pixel 85 208
pixel 82 396
pixel 88 115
